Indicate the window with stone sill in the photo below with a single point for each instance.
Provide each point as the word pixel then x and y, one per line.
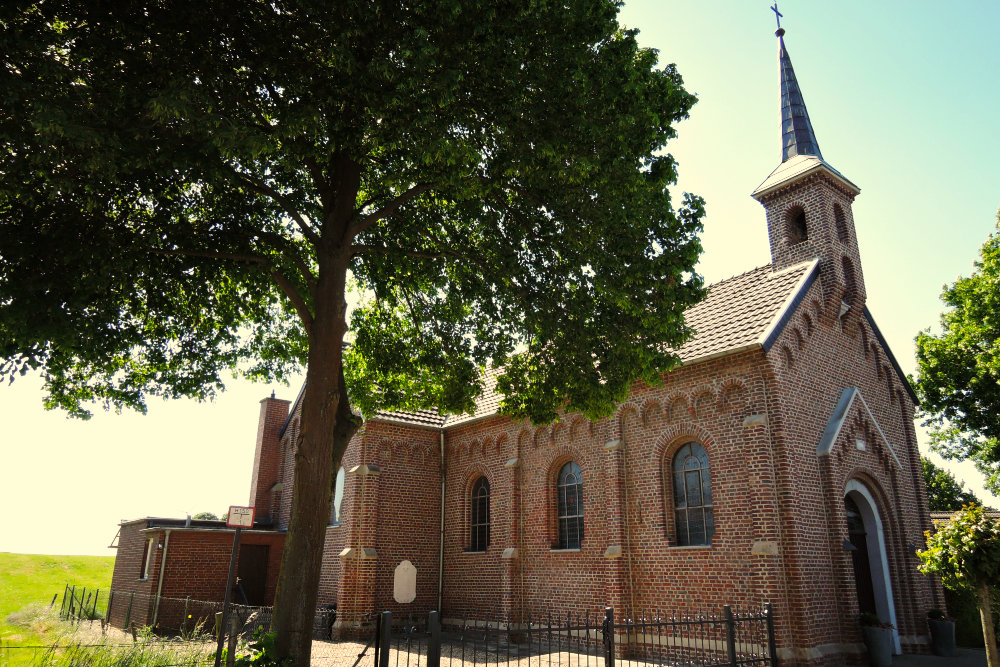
pixel 479 515
pixel 569 502
pixel 693 510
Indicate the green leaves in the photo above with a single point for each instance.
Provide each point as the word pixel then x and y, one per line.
pixel 959 371
pixel 965 550
pixel 178 183
pixel 944 492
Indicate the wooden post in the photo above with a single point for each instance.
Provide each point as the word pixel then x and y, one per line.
pixel 185 617
pixel 229 588
pixel 62 607
pixel 231 648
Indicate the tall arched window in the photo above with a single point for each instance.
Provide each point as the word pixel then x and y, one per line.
pixel 338 499
pixel 570 497
pixel 692 496
pixel 479 515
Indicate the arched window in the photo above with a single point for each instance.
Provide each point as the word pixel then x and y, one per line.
pixel 338 499
pixel 479 515
pixel 570 496
pixel 692 496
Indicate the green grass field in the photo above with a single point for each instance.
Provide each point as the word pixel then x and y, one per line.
pixel 27 579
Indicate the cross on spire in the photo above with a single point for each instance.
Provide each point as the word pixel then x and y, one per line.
pixel 777 14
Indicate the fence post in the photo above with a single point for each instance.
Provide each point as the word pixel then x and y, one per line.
pixel 609 637
pixel 434 642
pixel 772 645
pixel 385 638
pixel 62 607
pixel 72 601
pixel 128 614
pixel 730 634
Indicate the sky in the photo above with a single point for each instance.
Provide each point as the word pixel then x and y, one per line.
pixel 903 97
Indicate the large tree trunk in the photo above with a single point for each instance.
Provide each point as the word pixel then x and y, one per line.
pixel 326 418
pixel 989 632
pixel 327 422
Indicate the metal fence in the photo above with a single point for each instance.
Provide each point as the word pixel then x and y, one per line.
pixel 735 638
pixel 188 617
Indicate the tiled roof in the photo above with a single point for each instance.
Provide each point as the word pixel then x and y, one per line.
pixel 738 313
pixel 417 418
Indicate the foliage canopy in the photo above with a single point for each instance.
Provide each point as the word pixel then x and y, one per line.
pixel 965 552
pixel 190 189
pixel 944 492
pixel 958 376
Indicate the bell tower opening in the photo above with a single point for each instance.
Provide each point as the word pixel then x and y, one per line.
pixel 795 227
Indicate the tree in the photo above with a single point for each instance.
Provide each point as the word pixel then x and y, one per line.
pixel 944 492
pixel 205 516
pixel 965 553
pixel 190 190
pixel 958 374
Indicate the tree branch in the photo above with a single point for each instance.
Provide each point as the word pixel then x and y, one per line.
pixel 359 249
pixel 297 302
pixel 286 205
pixel 212 254
pixel 389 208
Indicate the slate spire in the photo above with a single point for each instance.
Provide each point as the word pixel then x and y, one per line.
pixel 797 136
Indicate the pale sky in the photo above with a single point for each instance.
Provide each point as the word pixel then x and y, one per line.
pixel 903 97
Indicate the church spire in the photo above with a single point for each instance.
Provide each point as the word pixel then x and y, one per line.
pixel 808 204
pixel 797 136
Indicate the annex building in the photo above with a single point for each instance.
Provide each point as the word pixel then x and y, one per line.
pixel 778 464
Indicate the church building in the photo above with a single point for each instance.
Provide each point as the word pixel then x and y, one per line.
pixel 777 464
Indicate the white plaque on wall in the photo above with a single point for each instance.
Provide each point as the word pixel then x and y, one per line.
pixel 404 588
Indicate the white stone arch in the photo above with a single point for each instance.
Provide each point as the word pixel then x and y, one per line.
pixel 878 558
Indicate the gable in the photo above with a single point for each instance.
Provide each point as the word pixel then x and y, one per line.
pixel 852 402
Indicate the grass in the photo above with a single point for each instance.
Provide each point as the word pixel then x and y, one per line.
pixel 30 581
pixel 63 643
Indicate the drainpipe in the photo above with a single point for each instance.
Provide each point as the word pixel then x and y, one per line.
pixel 163 567
pixel 441 537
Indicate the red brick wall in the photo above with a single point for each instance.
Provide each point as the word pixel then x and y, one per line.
pixel 197 565
pixel 814 360
pixel 125 579
pixel 273 412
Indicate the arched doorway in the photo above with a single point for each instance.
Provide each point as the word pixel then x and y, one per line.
pixel 871 564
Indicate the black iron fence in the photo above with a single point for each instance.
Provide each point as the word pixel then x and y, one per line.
pixel 735 638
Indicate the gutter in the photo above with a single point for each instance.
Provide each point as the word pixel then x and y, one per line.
pixel 441 537
pixel 163 567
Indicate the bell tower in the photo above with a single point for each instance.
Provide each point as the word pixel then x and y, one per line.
pixel 808 204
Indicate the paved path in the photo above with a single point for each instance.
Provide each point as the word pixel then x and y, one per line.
pixel 967 657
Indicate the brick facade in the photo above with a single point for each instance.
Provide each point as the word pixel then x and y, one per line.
pixel 195 564
pixel 789 388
